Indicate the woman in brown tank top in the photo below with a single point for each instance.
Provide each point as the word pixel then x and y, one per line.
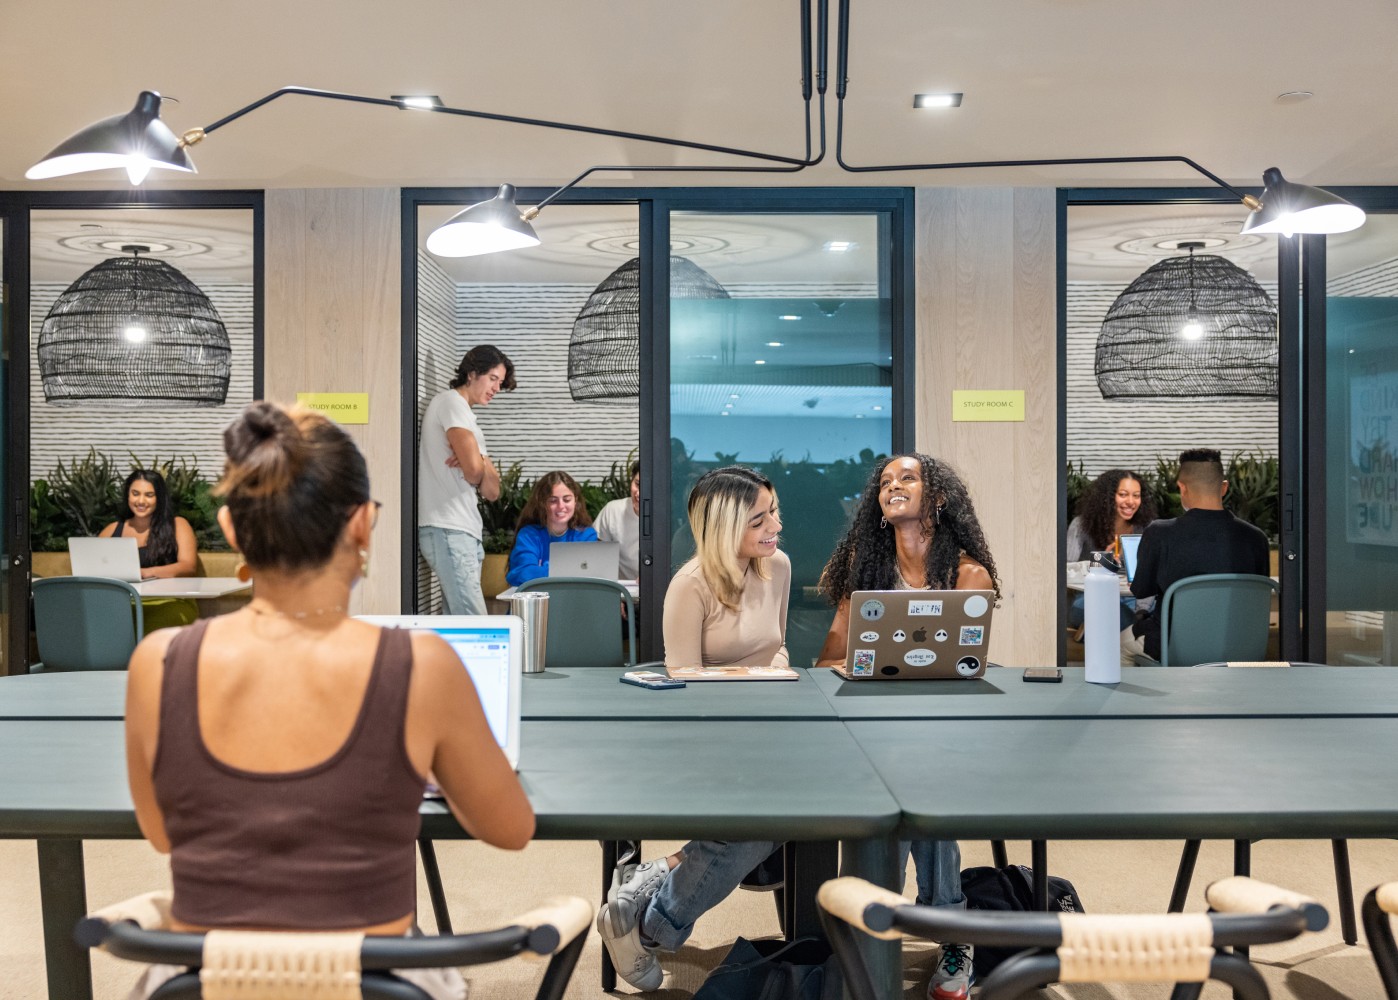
pixel 279 753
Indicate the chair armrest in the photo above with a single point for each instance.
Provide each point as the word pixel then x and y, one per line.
pixel 555 923
pixel 1246 895
pixel 863 905
pixel 1386 896
pixel 150 911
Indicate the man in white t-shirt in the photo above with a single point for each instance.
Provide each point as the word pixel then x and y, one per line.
pixel 620 521
pixel 454 468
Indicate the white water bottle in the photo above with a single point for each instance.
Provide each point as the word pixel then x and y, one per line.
pixel 1101 626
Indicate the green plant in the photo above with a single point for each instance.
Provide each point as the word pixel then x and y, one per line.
pixel 1161 482
pixel 1254 482
pixel 50 526
pixel 1075 484
pixel 86 489
pixel 499 516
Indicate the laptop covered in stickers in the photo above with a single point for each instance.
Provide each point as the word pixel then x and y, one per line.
pixel 918 634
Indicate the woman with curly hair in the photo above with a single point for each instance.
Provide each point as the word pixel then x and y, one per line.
pixel 1113 504
pixel 555 512
pixel 915 529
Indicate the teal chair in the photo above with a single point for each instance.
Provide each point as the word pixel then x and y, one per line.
pixel 85 623
pixel 583 628
pixel 1225 616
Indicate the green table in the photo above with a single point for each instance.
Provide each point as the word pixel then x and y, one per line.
pixel 802 781
pixel 1131 779
pixel 86 694
pixel 1144 692
pixel 597 693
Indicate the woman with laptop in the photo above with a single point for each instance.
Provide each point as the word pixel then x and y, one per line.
pixel 279 753
pixel 725 607
pixel 1113 504
pixel 164 540
pixel 915 529
pixel 554 512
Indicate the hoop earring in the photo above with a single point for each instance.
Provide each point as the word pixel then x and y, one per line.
pixel 243 571
pixel 937 515
pixel 364 562
pixel 883 521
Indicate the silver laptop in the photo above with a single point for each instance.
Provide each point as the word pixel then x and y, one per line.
pixel 491 647
pixel 918 634
pixel 596 559
pixel 113 558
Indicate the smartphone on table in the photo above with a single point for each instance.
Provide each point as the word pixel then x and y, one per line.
pixel 1047 675
pixel 650 679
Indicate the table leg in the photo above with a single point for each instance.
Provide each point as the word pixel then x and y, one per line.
pixel 808 867
pixel 63 898
pixel 876 861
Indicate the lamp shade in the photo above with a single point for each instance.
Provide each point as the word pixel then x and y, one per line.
pixel 1299 208
pixel 604 352
pixel 1189 327
pixel 134 332
pixel 487 227
pixel 136 141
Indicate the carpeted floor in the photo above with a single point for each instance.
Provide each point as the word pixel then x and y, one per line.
pixel 485 886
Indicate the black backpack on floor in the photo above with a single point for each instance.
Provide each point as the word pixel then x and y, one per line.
pixel 1011 888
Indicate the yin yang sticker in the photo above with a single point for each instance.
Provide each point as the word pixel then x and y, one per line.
pixel 967 666
pixel 871 610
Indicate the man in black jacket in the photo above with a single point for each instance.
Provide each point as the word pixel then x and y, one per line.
pixel 1206 539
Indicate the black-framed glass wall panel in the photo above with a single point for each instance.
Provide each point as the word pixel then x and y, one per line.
pixel 655 213
pixel 1108 238
pixel 50 234
pixel 1351 323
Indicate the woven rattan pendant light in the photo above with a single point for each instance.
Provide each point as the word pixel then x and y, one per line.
pixel 604 353
pixel 1189 327
pixel 134 332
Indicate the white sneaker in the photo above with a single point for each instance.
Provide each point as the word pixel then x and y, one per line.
pixel 954 975
pixel 619 923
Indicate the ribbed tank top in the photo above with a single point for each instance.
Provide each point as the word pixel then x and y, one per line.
pixel 329 846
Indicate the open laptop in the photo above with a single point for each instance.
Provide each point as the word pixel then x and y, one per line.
pixel 918 634
pixel 491 647
pixel 1130 545
pixel 596 559
pixel 112 558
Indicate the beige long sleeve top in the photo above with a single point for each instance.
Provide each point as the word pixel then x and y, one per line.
pixel 700 631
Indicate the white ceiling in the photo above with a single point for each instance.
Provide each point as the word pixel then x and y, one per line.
pixel 1042 78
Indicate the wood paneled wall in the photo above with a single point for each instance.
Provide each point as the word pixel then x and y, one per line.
pixel 986 320
pixel 332 325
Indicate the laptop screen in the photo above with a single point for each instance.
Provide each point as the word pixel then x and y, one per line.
pixel 1129 545
pixel 491 649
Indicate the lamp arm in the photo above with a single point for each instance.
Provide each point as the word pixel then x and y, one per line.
pixel 842 83
pixel 195 135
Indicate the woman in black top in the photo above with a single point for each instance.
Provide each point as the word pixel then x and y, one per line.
pixel 164 540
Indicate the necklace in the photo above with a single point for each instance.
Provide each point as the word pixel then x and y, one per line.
pixel 297 616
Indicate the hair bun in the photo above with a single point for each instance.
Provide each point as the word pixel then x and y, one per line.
pixel 266 449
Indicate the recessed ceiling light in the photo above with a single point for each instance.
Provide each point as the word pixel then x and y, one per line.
pixel 877 407
pixel 728 406
pixel 759 361
pixel 859 416
pixel 789 317
pixel 418 100
pixel 936 100
pixel 723 413
pixel 733 396
pixel 1294 96
pixel 840 246
pixel 775 343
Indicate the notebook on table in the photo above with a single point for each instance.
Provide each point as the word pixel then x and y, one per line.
pixel 1130 546
pixel 734 673
pixel 113 558
pixel 918 634
pixel 491 648
pixel 595 559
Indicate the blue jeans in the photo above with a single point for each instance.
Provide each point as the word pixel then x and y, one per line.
pixel 938 865
pixel 1077 611
pixel 455 556
pixel 710 871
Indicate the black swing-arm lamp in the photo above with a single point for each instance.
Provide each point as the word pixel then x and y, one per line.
pixel 1283 207
pixel 139 141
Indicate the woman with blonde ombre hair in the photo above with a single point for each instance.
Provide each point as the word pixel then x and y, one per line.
pixel 725 607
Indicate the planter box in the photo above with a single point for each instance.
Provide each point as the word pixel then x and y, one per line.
pixel 210 564
pixel 493 571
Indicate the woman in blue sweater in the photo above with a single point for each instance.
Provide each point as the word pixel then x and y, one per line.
pixel 555 513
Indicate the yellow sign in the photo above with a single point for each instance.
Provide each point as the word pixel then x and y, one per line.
pixel 987 404
pixel 341 407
